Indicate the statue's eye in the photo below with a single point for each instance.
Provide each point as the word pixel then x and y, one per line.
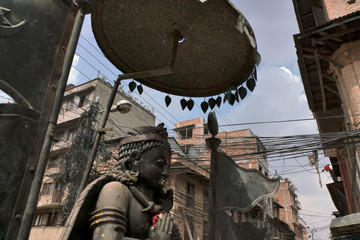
pixel 160 161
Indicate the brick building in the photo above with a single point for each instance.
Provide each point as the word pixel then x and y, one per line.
pixel 328 49
pixel 288 199
pixel 240 146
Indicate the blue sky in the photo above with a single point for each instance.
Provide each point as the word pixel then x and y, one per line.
pixel 279 95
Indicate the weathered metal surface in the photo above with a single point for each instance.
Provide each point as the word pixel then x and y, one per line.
pixel 217 50
pixel 17 130
pixel 30 33
pixel 231 230
pixel 245 187
pixel 33 44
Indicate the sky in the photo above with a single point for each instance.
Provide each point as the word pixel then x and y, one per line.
pixel 279 95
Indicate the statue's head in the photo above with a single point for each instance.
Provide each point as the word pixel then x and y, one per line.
pixel 147 152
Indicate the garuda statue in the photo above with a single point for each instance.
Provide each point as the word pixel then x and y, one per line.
pixel 129 202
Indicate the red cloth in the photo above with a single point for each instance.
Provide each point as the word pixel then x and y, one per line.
pixel 327 168
pixel 156 218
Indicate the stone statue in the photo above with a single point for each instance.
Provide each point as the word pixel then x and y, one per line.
pixel 129 202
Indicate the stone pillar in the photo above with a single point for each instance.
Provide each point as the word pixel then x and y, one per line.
pixel 348 75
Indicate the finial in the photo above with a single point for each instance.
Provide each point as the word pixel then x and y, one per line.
pixel 213 124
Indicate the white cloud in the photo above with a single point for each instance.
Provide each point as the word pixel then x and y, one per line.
pixel 73 76
pixel 289 74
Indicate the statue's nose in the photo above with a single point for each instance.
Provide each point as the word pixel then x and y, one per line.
pixel 165 171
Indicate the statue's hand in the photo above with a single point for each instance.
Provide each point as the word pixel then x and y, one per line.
pixel 163 229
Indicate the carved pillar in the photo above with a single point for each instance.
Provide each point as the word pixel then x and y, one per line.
pixel 348 75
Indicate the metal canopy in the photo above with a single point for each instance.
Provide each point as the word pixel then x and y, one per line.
pixel 217 49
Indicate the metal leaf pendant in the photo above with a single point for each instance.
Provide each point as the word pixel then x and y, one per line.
pixel 183 103
pixel 218 101
pixel 132 86
pixel 167 100
pixel 242 92
pixel 212 103
pixel 190 104
pixel 140 89
pixel 251 84
pixel 204 106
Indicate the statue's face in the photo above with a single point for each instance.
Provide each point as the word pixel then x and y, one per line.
pixel 153 168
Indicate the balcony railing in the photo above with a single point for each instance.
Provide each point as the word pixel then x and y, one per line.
pixel 298 205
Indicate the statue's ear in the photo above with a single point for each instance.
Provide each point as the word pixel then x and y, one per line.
pixel 135 155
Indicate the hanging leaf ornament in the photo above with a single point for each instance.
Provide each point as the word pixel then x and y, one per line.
pixel 225 98
pixel 132 86
pixel 167 100
pixel 212 103
pixel 140 89
pixel 231 99
pixel 190 104
pixel 228 96
pixel 250 83
pixel 218 101
pixel 242 92
pixel 204 106
pixel 183 103
pixel 236 94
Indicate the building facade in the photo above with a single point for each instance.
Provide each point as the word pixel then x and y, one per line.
pixel 77 99
pixel 240 146
pixel 328 49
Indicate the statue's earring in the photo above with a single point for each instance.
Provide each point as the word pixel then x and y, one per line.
pixel 127 165
pixel 135 157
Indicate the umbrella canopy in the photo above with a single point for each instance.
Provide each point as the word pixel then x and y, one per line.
pixel 216 50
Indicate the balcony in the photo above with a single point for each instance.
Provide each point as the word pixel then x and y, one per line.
pixel 298 205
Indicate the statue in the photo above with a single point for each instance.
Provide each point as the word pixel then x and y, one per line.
pixel 129 202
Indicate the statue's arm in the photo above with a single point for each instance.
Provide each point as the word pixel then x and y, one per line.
pixel 109 218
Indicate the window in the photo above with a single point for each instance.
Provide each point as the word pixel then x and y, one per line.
pixel 69 105
pixel 205 201
pixel 38 220
pixel 72 134
pixel 53 161
pixel 84 100
pixel 59 135
pixel 185 133
pixel 45 189
pixel 52 220
pixel 190 195
pixel 57 195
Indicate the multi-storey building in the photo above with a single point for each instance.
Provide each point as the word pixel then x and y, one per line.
pixel 288 199
pixel 240 146
pixel 328 49
pixel 76 100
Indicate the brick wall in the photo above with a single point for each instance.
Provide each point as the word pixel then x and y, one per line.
pixel 339 8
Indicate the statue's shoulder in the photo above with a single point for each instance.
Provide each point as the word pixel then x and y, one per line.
pixel 114 194
pixel 116 188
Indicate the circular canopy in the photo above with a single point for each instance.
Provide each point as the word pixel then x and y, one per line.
pixel 217 48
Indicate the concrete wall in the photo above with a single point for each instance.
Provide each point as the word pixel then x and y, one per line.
pixel 46 233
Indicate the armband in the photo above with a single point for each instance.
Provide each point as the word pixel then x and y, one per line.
pixel 109 215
